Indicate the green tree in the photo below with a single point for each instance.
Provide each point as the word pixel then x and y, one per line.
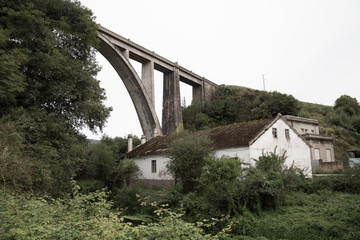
pixel 347 113
pixel 187 153
pixel 348 105
pixel 48 60
pixel 119 145
pixel 269 104
pixel 48 89
pixel 45 150
pixel 105 166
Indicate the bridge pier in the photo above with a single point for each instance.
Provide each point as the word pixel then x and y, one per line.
pixel 119 50
pixel 147 77
pixel 171 112
pixel 204 92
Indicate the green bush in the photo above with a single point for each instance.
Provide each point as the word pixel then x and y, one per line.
pixel 44 151
pixel 265 185
pixel 127 199
pixel 197 207
pixel 105 168
pixel 187 155
pixel 86 216
pixel 347 182
pixel 219 183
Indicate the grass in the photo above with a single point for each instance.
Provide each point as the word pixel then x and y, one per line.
pixel 305 216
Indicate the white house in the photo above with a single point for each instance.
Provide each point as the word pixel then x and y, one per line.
pixel 247 140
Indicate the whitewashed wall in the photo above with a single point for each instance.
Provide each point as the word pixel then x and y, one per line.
pixel 241 152
pixel 297 151
pixel 144 164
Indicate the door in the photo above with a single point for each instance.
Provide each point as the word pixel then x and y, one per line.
pixel 316 154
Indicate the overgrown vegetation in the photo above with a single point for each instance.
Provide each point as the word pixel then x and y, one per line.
pixel 239 104
pixel 48 92
pixel 275 204
pixel 87 216
pixel 236 104
pixel 187 155
pixel 105 165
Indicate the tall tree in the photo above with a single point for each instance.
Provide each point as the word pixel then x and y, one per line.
pixel 48 60
pixel 48 90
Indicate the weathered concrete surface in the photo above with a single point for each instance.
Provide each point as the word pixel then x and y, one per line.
pixel 143 105
pixel 147 77
pixel 172 115
pixel 118 50
pixel 204 92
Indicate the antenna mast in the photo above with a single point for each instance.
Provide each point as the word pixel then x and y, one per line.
pixel 264 82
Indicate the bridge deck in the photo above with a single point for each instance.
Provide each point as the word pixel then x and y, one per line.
pixel 143 55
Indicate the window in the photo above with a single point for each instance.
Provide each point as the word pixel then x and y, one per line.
pixel 274 132
pixel 287 133
pixel 328 155
pixel 153 166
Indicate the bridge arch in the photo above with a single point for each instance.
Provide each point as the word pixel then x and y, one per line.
pixel 144 108
pixel 118 50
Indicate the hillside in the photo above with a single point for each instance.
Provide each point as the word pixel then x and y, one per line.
pixel 238 104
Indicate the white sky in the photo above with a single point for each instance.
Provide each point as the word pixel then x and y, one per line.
pixel 307 48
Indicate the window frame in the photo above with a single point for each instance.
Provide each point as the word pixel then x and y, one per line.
pixel 274 132
pixel 287 133
pixel 153 166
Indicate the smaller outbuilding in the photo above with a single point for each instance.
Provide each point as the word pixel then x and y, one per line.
pixel 246 140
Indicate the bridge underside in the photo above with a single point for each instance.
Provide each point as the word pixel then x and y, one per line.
pixel 118 50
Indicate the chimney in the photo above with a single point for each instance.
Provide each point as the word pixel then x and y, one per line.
pixel 143 139
pixel 130 142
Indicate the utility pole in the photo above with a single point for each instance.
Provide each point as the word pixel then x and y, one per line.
pixel 264 82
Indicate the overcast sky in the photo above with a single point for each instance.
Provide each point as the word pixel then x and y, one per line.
pixel 307 48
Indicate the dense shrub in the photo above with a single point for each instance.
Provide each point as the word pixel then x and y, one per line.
pixel 347 182
pixel 126 199
pixel 39 152
pixel 187 155
pixel 104 167
pixel 265 185
pixel 219 183
pixel 86 216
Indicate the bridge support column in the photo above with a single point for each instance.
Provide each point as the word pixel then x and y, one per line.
pixel 171 113
pixel 147 77
pixel 204 92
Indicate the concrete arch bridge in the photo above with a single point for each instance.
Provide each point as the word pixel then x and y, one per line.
pixel 118 50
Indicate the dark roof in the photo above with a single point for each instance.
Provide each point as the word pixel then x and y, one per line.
pixel 233 135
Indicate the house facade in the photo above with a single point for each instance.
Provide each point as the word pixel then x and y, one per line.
pixel 322 146
pixel 247 141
